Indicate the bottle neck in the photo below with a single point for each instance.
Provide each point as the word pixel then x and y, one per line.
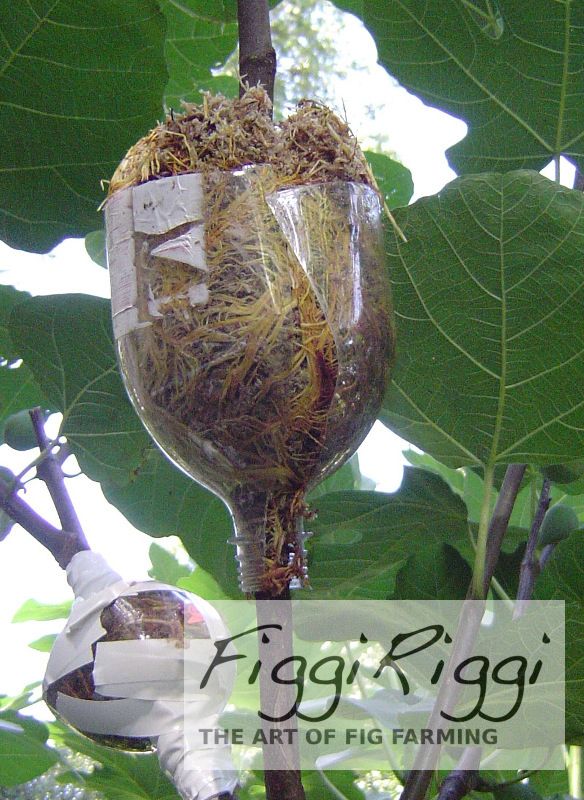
pixel 269 538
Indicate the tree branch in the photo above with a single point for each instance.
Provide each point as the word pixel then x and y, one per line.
pixel 257 65
pixel 282 776
pixel 61 544
pixel 500 519
pixel 418 780
pixel 464 779
pixel 257 57
pixel 530 565
pixel 49 471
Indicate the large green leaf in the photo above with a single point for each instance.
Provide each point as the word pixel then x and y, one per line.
pixel 117 775
pixel 394 180
pixel 361 539
pixel 95 247
pixel 166 568
pixel 23 750
pixel 44 644
pixel 80 82
pixel 511 69
pixel 203 584
pixel 130 778
pixel 550 782
pixel 161 501
pixel 435 572
pixel 465 482
pixel 66 341
pixel 563 579
pixel 489 291
pixel 200 36
pixel 18 389
pixel 9 298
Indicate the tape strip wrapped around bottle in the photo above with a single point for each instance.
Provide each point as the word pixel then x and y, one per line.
pixel 127 668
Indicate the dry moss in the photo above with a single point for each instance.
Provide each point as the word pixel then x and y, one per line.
pixel 311 145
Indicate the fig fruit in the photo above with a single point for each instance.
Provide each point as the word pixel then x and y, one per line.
pixel 558 524
pixel 19 432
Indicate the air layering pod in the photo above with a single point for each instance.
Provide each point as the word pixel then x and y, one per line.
pixel 251 309
pixel 127 670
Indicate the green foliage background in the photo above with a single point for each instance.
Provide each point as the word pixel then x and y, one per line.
pixel 488 293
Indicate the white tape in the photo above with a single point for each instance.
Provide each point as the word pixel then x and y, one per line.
pixel 121 257
pixel 124 717
pixel 188 248
pixel 198 772
pixel 72 649
pixel 136 661
pixel 154 669
pixel 152 209
pixel 135 587
pixel 159 206
pixel 88 573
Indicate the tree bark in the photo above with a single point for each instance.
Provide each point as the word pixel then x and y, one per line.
pixel 282 776
pixel 257 57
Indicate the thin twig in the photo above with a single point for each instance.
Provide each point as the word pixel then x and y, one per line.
pixel 530 565
pixel 49 471
pixel 460 782
pixel 62 544
pixel 418 780
pixel 465 779
pixel 546 554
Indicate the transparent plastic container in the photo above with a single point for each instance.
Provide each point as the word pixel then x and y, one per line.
pixel 254 335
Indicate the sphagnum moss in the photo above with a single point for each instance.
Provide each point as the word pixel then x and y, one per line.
pixel 268 382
